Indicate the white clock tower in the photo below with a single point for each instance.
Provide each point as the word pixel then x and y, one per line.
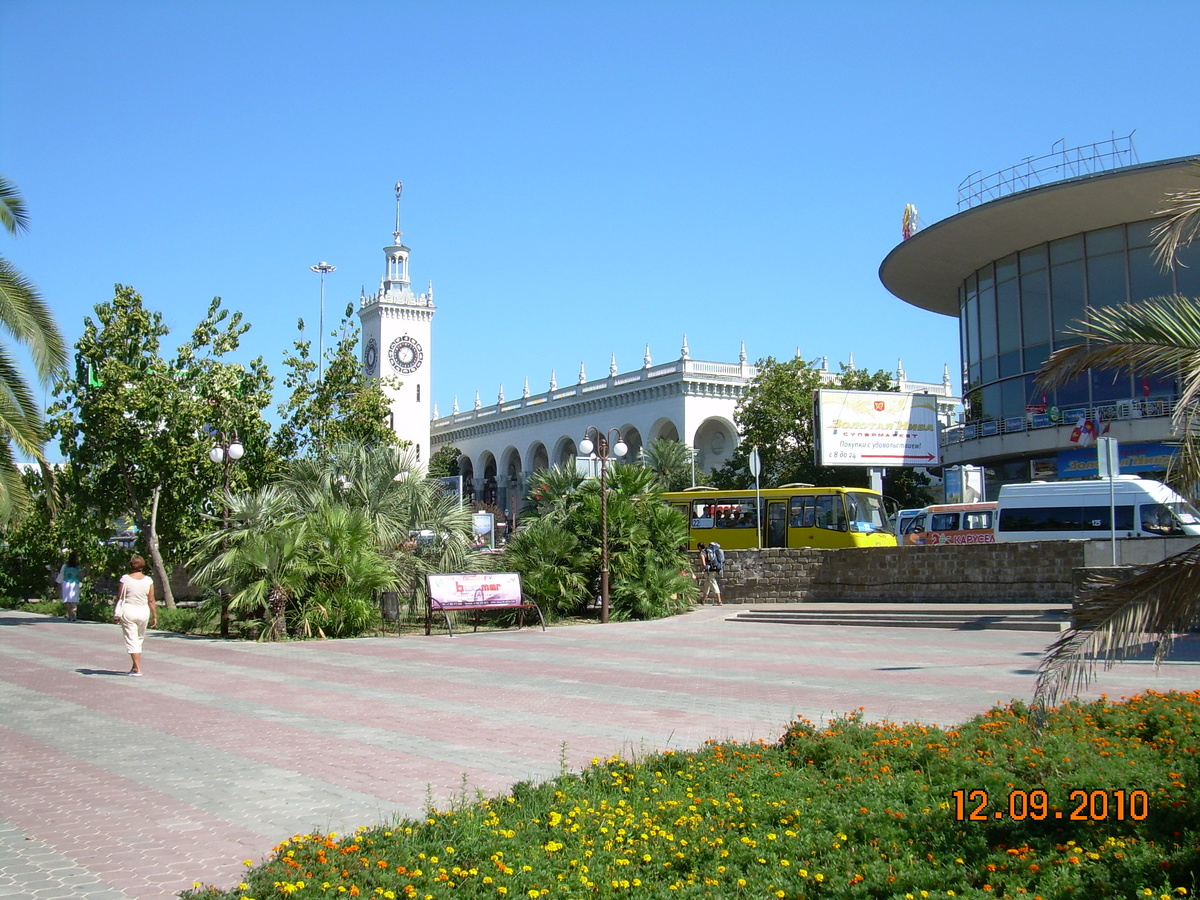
pixel 397 330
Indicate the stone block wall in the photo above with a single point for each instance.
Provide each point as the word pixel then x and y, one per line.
pixel 1038 572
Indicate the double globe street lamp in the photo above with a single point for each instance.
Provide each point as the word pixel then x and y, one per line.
pixel 601 445
pixel 225 452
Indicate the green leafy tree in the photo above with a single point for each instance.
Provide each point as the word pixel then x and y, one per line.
pixel 558 548
pixel 137 428
pixel 444 462
pixel 342 406
pixel 27 319
pixel 776 415
pixel 672 462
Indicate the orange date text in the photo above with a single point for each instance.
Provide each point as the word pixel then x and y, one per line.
pixel 1081 806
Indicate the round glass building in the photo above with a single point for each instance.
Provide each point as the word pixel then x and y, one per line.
pixel 1018 272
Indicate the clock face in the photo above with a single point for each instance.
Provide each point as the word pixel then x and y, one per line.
pixel 406 355
pixel 371 357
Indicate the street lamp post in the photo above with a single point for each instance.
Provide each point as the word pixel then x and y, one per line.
pixel 226 451
pixel 324 269
pixel 602 444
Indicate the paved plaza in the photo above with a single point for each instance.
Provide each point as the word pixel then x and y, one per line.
pixel 118 788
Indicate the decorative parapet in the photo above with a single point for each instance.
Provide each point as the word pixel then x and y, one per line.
pixel 732 375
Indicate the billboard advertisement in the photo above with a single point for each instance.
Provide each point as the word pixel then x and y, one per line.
pixel 876 428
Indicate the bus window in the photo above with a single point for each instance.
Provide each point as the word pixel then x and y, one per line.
pixel 702 514
pixel 866 513
pixel 802 512
pixel 831 512
pixel 977 521
pixel 944 522
pixel 1156 518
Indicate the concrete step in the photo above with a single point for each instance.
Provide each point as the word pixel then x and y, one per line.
pixel 1050 620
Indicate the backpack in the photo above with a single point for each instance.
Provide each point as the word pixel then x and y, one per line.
pixel 716 557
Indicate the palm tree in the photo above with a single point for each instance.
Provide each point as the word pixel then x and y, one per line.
pixel 672 461
pixel 27 319
pixel 1155 337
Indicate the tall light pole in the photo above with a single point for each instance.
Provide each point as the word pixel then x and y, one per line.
pixel 324 268
pixel 226 451
pixel 601 445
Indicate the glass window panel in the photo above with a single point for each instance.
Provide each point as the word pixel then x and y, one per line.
pixel 975 374
pixel 990 402
pixel 1066 249
pixel 1066 292
pixel 1106 280
pixel 1108 385
pixel 990 369
pixel 1035 395
pixel 1105 240
pixel 1187 271
pixel 985 277
pixel 1033 259
pixel 1073 394
pixel 1035 308
pixel 1139 233
pixel 987 323
pixel 1012 397
pixel 1010 364
pixel 1008 314
pixel 971 348
pixel 1146 278
pixel 1036 356
pixel 1006 268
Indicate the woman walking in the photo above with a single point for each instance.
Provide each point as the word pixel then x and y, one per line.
pixel 135 608
pixel 69 577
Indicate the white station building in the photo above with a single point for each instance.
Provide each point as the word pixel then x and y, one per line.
pixel 504 443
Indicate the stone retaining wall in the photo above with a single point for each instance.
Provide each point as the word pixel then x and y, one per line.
pixel 1038 572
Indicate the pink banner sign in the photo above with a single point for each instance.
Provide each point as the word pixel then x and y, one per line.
pixel 473 589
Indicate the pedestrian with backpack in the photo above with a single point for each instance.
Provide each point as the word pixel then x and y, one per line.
pixel 712 561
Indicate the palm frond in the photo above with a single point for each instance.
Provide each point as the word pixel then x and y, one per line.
pixel 1120 617
pixel 1181 226
pixel 13 215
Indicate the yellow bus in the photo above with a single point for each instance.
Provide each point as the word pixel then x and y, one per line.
pixel 795 515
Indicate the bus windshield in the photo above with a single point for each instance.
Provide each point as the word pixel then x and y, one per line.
pixel 866 513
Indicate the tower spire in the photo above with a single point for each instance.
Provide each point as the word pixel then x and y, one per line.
pixel 399 190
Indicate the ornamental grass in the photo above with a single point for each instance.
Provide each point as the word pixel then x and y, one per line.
pixel 1100 803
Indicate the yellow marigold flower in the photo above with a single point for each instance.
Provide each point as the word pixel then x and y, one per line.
pixel 819 877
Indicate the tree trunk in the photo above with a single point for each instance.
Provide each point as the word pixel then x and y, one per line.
pixel 160 568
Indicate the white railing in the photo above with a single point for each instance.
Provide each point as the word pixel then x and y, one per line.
pixel 1142 408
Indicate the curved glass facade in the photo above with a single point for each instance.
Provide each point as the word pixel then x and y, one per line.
pixel 1015 311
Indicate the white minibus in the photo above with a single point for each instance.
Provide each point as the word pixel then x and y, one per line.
pixel 949 523
pixel 1065 510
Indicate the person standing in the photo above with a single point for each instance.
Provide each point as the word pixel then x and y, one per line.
pixel 712 561
pixel 70 576
pixel 135 609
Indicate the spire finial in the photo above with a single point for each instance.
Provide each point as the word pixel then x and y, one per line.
pixel 742 354
pixel 399 190
pixel 478 403
pixel 582 373
pixel 454 408
pixel 525 390
pixel 553 381
pixel 500 395
pixel 850 364
pixel 684 353
pixel 435 412
pixel 612 366
pixel 646 362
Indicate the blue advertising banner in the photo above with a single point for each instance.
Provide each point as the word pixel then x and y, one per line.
pixel 1148 457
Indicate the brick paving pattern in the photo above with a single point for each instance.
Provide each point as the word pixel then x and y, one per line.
pixel 118 788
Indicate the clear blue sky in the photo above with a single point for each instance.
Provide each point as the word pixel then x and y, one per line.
pixel 581 179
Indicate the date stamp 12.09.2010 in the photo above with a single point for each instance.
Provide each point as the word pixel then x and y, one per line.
pixel 1081 806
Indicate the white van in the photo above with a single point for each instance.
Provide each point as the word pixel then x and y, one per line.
pixel 949 523
pixel 1062 510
